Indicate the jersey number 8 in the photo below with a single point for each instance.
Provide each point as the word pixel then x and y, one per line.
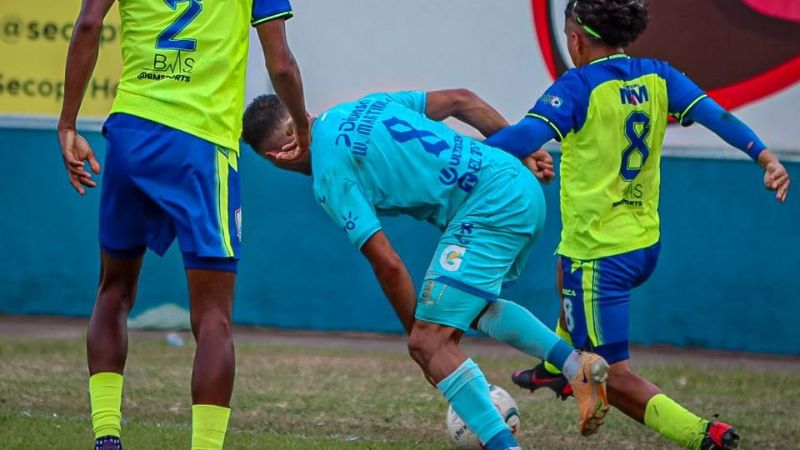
pixel 637 128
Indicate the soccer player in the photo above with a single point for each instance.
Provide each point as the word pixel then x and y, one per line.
pixel 610 115
pixel 171 171
pixel 387 154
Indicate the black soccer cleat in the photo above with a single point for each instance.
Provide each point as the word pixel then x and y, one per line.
pixel 108 443
pixel 539 377
pixel 720 436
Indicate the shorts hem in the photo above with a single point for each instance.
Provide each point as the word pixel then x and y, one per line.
pixel 221 264
pixel 126 253
pixel 446 323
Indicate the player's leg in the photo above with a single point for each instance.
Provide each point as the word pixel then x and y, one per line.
pixel 514 325
pixel 107 345
pixel 595 312
pixel 443 313
pixel 123 237
pixel 211 298
pixel 545 374
pixel 207 223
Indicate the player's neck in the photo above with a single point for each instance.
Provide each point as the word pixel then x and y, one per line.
pixel 601 52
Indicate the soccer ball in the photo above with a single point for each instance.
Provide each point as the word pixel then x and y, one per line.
pixel 464 439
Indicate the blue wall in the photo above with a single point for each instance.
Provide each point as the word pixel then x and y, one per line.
pixel 726 279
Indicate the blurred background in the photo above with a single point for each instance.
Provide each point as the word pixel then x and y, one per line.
pixel 727 276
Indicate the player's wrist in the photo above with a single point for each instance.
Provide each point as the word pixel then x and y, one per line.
pixel 766 158
pixel 66 125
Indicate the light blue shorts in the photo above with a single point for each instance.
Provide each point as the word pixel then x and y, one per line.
pixel 484 246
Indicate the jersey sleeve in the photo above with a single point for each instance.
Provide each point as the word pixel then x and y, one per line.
pixel 416 100
pixel 345 203
pixel 683 94
pixel 562 103
pixel 266 10
pixel 523 138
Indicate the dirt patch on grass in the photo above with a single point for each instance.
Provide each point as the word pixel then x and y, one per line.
pixel 71 328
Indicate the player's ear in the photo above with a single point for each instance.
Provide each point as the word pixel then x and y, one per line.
pixel 289 125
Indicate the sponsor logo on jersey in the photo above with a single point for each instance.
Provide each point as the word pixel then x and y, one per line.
pixel 552 100
pixel 452 257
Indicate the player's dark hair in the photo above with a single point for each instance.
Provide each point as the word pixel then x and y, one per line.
pixel 615 22
pixel 263 117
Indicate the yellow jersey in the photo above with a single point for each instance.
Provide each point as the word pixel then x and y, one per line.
pixel 185 62
pixel 611 117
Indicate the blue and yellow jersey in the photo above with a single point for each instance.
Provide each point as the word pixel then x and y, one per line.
pixel 380 155
pixel 185 62
pixel 611 117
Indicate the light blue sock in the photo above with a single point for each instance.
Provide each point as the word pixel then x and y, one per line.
pixel 468 392
pixel 516 326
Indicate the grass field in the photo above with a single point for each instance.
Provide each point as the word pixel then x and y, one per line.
pixel 340 396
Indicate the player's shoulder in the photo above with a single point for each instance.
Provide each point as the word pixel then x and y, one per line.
pixel 621 67
pixel 329 146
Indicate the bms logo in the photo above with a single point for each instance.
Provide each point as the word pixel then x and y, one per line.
pixel 452 257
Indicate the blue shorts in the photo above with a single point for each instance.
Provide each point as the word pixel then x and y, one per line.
pixel 596 296
pixel 484 246
pixel 160 183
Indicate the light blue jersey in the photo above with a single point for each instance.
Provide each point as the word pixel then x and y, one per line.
pixel 380 155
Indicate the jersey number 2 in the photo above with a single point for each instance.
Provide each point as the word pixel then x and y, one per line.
pixel 166 40
pixel 637 136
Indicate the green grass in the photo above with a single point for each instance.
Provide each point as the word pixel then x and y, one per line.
pixel 332 398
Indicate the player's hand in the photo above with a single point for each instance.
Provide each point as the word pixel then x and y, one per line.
pixel 299 146
pixel 540 163
pixel 776 178
pixel 76 152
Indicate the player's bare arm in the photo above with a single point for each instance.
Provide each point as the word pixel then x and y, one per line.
pixel 393 276
pixel 465 106
pixel 471 109
pixel 288 84
pixel 81 59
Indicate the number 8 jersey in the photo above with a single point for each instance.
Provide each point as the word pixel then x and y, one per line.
pixel 611 117
pixel 185 62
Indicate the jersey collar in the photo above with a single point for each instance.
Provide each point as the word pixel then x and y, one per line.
pixel 607 58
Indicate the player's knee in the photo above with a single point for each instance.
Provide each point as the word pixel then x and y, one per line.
pixel 213 323
pixel 426 340
pixel 418 348
pixel 116 292
pixel 620 375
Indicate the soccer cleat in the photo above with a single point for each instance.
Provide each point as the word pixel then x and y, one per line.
pixel 589 388
pixel 108 443
pixel 720 436
pixel 539 377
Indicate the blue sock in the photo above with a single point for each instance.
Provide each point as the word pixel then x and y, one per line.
pixel 514 325
pixel 468 392
pixel 503 440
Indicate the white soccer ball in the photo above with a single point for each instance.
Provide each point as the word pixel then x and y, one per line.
pixel 464 439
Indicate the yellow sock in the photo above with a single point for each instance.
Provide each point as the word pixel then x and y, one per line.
pixel 209 424
pixel 564 334
pixel 105 394
pixel 674 422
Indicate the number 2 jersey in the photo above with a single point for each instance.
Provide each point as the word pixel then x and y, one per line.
pixel 380 155
pixel 611 117
pixel 185 62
